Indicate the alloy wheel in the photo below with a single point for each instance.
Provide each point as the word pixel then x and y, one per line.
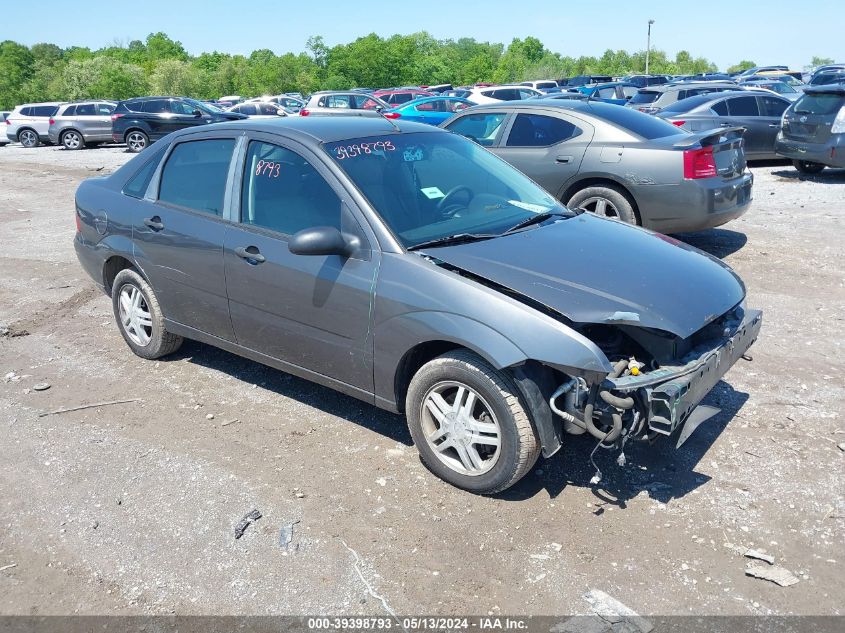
pixel 461 428
pixel 71 140
pixel 136 141
pixel 135 315
pixel 28 138
pixel 601 206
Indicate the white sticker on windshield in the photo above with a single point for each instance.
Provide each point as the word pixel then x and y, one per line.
pixel 432 192
pixel 536 208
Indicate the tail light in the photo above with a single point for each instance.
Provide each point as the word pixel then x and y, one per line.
pixel 52 121
pixel 838 126
pixel 699 163
pixel 391 115
pixel 304 112
pixel 116 116
pixel 679 123
pixel 78 222
pixel 8 122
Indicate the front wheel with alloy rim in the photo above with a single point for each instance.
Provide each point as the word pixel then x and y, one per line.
pixel 72 140
pixel 136 141
pixel 469 425
pixel 808 167
pixel 139 317
pixel 605 200
pixel 28 138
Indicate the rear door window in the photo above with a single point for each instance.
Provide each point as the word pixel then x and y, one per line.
pixel 402 97
pixel 773 107
pixel 537 130
pixel 720 108
pixel 481 128
pixel 44 110
pixel 156 106
pixel 743 106
pixel 246 108
pixel 366 103
pixel 85 109
pixel 644 96
pixel 195 174
pixel 506 94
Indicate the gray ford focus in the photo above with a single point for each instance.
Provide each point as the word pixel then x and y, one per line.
pixel 411 268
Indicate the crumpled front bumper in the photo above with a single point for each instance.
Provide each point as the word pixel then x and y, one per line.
pixel 673 394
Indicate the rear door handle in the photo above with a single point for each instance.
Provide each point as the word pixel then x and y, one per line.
pixel 564 160
pixel 774 125
pixel 250 254
pixel 154 223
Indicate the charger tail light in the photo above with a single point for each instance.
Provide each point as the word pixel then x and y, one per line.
pixel 116 116
pixel 304 112
pixel 391 115
pixel 699 163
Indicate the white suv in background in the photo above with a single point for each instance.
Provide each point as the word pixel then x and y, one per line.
pixel 29 123
pixel 494 94
pixel 3 138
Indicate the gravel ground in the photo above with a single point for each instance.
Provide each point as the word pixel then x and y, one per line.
pixel 130 508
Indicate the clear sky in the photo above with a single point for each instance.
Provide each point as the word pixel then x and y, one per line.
pixel 767 32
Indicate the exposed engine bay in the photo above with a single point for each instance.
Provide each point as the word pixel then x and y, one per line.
pixel 656 383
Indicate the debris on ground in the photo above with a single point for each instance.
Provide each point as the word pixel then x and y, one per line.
pixel 41 386
pixel 841 446
pixel 753 553
pixel 774 573
pixel 611 616
pixel 286 534
pixel 9 566
pixel 228 422
pixel 11 377
pixel 88 406
pixel 210 416
pixel 244 523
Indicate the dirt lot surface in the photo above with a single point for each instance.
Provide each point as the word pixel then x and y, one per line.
pixel 130 508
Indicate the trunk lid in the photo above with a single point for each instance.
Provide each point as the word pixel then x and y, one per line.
pixel 593 270
pixel 727 144
pixel 811 117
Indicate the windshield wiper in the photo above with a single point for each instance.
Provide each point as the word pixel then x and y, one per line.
pixel 534 219
pixel 457 238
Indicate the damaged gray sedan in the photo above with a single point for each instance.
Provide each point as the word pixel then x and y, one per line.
pixel 411 268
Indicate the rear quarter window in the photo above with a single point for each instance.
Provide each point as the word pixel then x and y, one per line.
pixel 137 185
pixel 644 96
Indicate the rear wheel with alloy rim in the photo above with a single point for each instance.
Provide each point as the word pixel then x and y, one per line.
pixel 72 140
pixel 136 141
pixel 469 424
pixel 139 317
pixel 28 138
pixel 605 200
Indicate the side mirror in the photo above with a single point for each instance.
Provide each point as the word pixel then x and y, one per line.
pixel 197 113
pixel 322 240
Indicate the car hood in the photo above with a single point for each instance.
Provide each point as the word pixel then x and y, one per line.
pixel 593 270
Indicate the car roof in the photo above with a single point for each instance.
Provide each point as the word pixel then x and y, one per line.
pixel 587 106
pixel 686 85
pixel 838 89
pixel 323 129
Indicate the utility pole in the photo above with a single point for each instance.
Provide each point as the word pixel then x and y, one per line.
pixel 648 46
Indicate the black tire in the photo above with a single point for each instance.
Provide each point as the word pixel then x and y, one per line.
pixel 808 167
pixel 613 200
pixel 518 447
pixel 161 342
pixel 28 138
pixel 72 140
pixel 136 141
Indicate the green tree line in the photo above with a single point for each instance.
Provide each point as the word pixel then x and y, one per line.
pixel 160 65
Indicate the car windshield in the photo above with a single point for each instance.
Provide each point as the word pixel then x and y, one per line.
pixel 432 185
pixel 204 107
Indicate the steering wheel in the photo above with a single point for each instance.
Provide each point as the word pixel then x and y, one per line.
pixel 447 206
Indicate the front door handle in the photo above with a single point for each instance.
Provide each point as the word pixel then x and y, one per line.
pixel 154 223
pixel 774 124
pixel 563 160
pixel 250 254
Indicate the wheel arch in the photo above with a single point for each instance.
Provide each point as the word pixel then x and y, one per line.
pixel 113 265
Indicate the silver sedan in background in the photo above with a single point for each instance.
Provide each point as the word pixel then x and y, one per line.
pixel 618 162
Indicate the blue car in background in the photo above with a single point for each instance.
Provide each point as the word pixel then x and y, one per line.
pixel 617 92
pixel 431 110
